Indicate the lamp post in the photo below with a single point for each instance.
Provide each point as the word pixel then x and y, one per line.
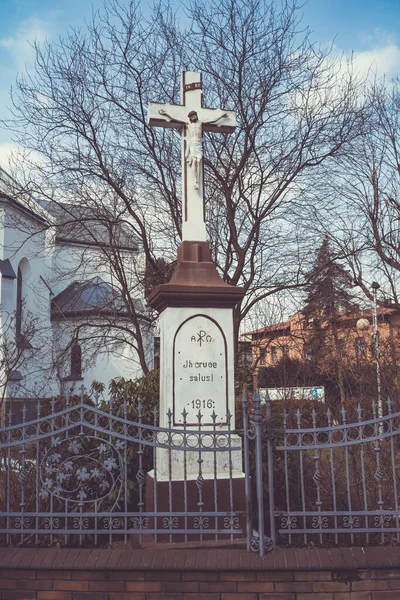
pixel 375 287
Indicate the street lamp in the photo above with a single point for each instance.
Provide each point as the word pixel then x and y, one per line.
pixel 375 287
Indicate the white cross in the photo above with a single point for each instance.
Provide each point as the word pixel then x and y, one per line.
pixel 209 119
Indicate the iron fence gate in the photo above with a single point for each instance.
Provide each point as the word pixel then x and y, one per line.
pixel 87 473
pixel 328 480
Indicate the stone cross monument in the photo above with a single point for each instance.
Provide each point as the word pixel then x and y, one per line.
pixel 192 119
pixel 196 306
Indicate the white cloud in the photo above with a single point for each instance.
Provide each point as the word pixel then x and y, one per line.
pixel 19 45
pixel 6 151
pixel 376 37
pixel 13 157
pixel 16 54
pixel 383 60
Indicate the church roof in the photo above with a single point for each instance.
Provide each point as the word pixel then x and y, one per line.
pixel 75 223
pixel 89 226
pixel 89 298
pixel 12 193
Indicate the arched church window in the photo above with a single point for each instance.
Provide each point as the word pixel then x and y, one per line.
pixel 18 314
pixel 76 361
pixel 23 274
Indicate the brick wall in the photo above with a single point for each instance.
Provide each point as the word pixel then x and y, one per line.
pixel 196 575
pixel 24 584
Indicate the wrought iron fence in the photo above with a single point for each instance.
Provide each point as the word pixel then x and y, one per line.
pixel 90 475
pixel 331 481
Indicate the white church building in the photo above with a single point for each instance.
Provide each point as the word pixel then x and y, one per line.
pixel 60 301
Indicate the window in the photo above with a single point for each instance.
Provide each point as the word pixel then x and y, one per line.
pixel 21 326
pixel 245 353
pixel 156 348
pixel 76 362
pixel 360 348
pixel 18 312
pixel 274 355
pixel 285 351
pixel 262 357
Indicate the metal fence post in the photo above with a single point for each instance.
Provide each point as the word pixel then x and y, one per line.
pixel 257 421
pixel 247 468
pixel 271 495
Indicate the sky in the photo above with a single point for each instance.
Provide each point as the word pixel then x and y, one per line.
pixel 367 28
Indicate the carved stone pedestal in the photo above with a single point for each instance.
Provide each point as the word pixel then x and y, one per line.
pixel 197 401
pixel 196 346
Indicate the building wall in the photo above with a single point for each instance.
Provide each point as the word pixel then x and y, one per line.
pixel 23 244
pixel 100 363
pixel 43 365
pixel 290 338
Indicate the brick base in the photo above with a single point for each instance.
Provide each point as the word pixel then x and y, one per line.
pixel 170 574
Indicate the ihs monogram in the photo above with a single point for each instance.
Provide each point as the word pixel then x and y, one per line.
pixel 202 338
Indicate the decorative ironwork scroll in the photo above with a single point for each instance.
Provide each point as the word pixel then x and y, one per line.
pixel 79 474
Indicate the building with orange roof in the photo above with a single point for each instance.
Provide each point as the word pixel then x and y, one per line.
pixel 354 335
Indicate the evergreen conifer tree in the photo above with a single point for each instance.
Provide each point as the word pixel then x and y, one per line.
pixel 328 296
pixel 328 288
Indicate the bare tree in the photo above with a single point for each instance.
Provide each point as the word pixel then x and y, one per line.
pixel 363 192
pixel 82 114
pixel 17 353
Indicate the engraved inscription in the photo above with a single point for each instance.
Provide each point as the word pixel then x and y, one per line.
pixel 200 378
pixel 192 86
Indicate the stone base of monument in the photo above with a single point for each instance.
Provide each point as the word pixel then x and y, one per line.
pixel 199 491
pixel 223 496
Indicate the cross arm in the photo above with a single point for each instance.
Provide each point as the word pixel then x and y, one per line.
pixel 166 115
pixel 217 120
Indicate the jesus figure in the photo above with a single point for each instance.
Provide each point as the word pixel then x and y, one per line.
pixel 194 153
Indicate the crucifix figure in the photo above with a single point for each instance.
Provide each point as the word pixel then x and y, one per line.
pixel 192 119
pixel 194 128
